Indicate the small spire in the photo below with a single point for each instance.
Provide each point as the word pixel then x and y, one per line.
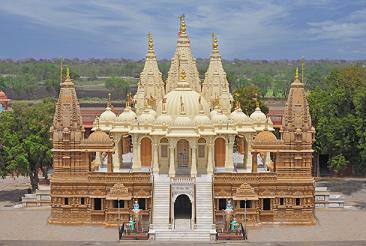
pixel 150 42
pixel 67 73
pixel 215 44
pixel 302 69
pixel 297 73
pixel 182 25
pixel 98 126
pixel 109 103
pixel 255 98
pixel 163 105
pixel 61 69
pixel 237 106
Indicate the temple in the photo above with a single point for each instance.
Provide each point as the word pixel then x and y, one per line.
pixel 182 160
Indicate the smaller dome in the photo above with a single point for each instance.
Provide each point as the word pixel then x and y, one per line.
pixel 258 116
pixel 146 118
pixel 239 117
pixel 98 137
pixel 219 118
pixel 107 115
pixel 202 119
pixel 183 120
pixel 164 119
pixel 265 137
pixel 127 116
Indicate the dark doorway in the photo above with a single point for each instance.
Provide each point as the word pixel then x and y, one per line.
pixel 182 207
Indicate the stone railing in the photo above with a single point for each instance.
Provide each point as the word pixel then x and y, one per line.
pixel 183 180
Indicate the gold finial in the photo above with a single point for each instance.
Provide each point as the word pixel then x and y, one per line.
pixel 61 69
pixel 182 24
pixel 255 98
pixel 109 103
pixel 150 40
pixel 67 72
pixel 297 73
pixel 237 104
pixel 163 104
pixel 215 44
pixel 302 69
pixel 127 100
pixel 183 75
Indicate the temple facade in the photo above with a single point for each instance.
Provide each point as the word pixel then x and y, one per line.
pixel 182 156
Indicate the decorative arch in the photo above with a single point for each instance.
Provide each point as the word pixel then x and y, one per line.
pixel 146 152
pixel 201 148
pixel 220 152
pixel 183 207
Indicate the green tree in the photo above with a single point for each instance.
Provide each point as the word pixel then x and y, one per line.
pixel 338 111
pixel 25 148
pixel 119 86
pixel 246 96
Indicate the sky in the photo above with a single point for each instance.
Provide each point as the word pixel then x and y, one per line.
pixel 253 29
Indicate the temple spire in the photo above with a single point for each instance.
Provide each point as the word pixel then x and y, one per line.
pixel 150 42
pixel 67 73
pixel 61 69
pixel 109 102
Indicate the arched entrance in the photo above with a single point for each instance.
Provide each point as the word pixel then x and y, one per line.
pixel 146 156
pixel 220 152
pixel 182 207
pixel 183 153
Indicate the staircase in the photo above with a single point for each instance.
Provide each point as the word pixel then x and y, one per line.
pixel 204 206
pixel 182 229
pixel 161 197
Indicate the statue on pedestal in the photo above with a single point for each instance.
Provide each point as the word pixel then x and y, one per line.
pixel 136 213
pixel 234 225
pixel 131 224
pixel 228 215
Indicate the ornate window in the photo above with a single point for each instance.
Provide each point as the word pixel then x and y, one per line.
pixel 164 148
pixel 82 201
pixel 66 201
pixel 118 203
pixel 298 201
pixel 97 204
pixel 266 204
pixel 201 148
pixel 282 201
pixel 247 205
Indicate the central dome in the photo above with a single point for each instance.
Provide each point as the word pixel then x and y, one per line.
pixel 190 100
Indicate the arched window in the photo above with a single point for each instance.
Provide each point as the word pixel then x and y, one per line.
pixel 183 153
pixel 164 148
pixel 201 148
pixel 146 156
pixel 220 152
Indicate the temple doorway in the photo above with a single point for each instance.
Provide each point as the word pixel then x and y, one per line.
pixel 183 153
pixel 182 207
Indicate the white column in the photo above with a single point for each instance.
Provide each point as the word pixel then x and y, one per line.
pixel 229 164
pixel 136 163
pixel 210 157
pixel 117 153
pixel 155 156
pixel 248 151
pixel 171 160
pixel 194 160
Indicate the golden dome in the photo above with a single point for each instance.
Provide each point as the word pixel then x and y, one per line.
pixel 98 137
pixel 265 137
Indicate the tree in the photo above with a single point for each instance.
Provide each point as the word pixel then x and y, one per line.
pixel 118 85
pixel 246 96
pixel 25 147
pixel 338 111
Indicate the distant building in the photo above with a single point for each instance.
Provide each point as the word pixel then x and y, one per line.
pixel 179 163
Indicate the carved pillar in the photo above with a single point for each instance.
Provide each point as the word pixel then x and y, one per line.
pixel 155 156
pixel 136 163
pixel 254 162
pixel 109 162
pixel 194 160
pixel 117 153
pixel 210 157
pixel 229 165
pixel 171 160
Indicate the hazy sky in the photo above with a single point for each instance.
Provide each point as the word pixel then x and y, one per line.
pixel 329 29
